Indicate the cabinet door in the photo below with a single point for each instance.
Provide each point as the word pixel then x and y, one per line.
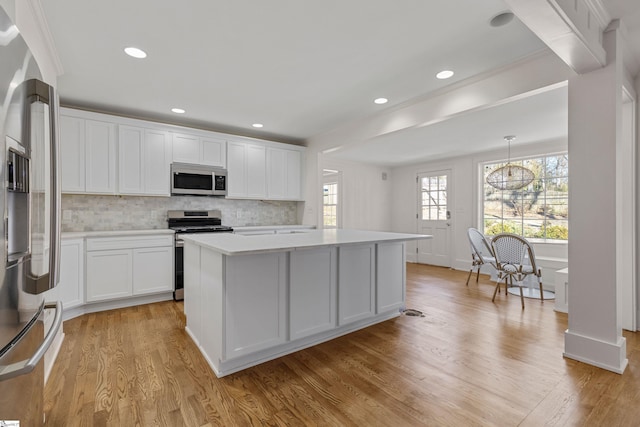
pixel 293 163
pixel 109 274
pixel 213 152
pixel 186 148
pixel 256 172
pixel 156 161
pixel 356 283
pixel 130 150
pixel 152 270
pixel 312 291
pixel 237 169
pixel 390 276
pixel 71 285
pixel 255 307
pixel 72 154
pixel 276 173
pixel 100 157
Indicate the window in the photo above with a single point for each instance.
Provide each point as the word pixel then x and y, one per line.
pixel 434 197
pixel 538 211
pixel 330 199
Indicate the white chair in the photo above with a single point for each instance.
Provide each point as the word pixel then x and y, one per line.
pixel 515 259
pixel 481 252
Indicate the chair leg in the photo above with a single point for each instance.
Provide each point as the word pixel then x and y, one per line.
pixel 469 276
pixel 478 274
pixel 521 297
pixel 541 292
pixel 496 290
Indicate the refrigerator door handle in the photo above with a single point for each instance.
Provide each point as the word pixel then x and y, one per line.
pixel 27 365
pixel 54 242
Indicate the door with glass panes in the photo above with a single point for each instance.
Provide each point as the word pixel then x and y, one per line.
pixel 434 218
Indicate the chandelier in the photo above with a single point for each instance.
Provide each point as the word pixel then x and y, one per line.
pixel 509 176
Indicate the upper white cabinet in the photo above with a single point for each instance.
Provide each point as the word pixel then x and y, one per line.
pixel 144 156
pixel 284 174
pixel 105 154
pixel 88 153
pixel 199 150
pixel 72 154
pixel 246 171
pixel 213 152
pixel 258 171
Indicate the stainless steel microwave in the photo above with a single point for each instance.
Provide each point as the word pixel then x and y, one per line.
pixel 198 180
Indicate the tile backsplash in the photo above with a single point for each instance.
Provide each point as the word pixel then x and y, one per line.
pixel 106 213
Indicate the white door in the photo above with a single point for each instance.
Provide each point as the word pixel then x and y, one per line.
pixel 434 218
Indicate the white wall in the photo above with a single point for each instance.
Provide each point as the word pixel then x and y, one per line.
pixel 465 196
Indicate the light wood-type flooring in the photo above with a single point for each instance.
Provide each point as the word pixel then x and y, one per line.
pixel 468 362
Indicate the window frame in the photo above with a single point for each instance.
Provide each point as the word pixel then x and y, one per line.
pixel 523 219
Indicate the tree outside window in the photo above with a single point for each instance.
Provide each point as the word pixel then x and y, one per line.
pixel 539 210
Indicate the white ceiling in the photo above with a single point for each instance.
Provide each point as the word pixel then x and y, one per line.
pixel 300 67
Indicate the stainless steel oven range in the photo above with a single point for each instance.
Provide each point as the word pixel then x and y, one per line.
pixel 187 222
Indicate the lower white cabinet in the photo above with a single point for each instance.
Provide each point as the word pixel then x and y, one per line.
pixel 70 289
pixel 119 267
pixel 391 276
pixel 312 291
pixel 109 274
pixel 152 270
pixel 255 315
pixel 357 280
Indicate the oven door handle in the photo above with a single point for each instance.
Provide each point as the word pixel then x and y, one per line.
pixel 179 243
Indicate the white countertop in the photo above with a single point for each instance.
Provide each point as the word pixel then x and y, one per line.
pixel 117 233
pixel 237 244
pixel 273 227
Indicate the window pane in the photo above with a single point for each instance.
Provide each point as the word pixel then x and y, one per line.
pixel 540 210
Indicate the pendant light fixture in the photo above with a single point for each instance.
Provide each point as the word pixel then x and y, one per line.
pixel 510 177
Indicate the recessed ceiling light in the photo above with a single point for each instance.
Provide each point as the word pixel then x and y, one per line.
pixel 445 74
pixel 135 52
pixel 501 19
pixel 178 110
pixel 381 100
pixel 257 125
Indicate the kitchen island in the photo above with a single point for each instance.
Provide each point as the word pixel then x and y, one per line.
pixel 249 299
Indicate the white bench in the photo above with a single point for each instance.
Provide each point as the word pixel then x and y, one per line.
pixel 562 290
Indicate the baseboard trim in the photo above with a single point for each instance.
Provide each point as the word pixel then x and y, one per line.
pixel 593 351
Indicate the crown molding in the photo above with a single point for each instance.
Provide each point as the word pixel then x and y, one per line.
pixel 35 7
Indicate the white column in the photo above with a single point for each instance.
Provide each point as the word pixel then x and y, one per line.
pixel 594 335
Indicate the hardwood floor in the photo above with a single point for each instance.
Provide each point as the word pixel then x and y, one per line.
pixel 467 362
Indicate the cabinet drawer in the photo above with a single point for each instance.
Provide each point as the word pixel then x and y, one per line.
pixel 128 242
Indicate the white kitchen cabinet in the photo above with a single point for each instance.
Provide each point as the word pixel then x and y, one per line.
pixel 284 174
pixel 119 267
pixel 70 288
pixel 213 152
pixel 88 155
pixel 236 169
pixel 256 172
pixel 255 316
pixel 246 171
pixel 312 291
pixel 109 274
pixel 130 153
pixel 199 150
pixel 144 156
pixel 390 276
pixel 186 148
pixel 356 277
pixel 72 154
pixel 71 284
pixel 152 270
pixel 100 157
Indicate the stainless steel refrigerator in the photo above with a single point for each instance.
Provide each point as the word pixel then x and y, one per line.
pixel 29 202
